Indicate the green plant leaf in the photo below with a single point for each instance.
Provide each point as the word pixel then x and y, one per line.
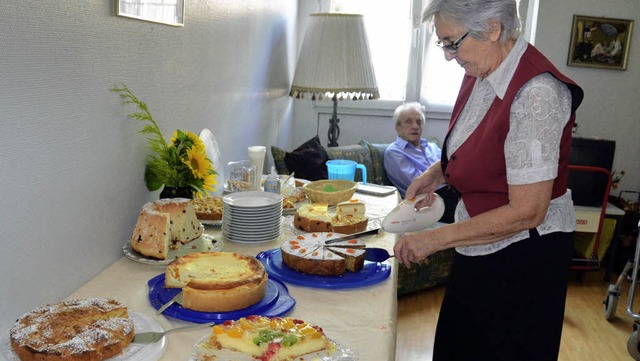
pixel 151 179
pixel 168 162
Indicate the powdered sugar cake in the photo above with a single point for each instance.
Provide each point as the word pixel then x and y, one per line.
pixel 89 329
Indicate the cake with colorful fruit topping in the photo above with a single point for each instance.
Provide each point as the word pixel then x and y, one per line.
pixel 269 339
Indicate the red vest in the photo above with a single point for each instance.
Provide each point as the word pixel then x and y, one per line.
pixel 478 169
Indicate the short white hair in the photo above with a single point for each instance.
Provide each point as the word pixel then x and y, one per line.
pixel 476 16
pixel 408 106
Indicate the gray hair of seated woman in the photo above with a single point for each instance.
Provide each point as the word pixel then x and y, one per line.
pixel 477 16
pixel 406 106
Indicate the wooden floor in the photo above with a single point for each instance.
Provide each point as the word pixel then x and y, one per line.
pixel 586 336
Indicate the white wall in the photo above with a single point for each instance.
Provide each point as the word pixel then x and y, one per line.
pixel 72 162
pixel 610 108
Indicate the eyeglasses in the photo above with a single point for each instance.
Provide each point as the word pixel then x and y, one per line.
pixel 454 46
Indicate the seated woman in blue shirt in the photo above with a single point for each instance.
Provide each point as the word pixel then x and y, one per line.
pixel 410 155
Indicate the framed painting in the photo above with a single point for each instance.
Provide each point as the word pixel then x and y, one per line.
pixel 169 12
pixel 600 42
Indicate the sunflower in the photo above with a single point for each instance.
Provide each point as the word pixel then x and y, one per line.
pixel 209 182
pixel 197 162
pixel 187 139
pixel 180 163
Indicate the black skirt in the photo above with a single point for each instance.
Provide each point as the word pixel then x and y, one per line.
pixel 508 305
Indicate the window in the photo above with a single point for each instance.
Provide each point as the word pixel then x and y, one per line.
pixel 408 65
pixel 394 30
pixel 389 29
pixel 440 78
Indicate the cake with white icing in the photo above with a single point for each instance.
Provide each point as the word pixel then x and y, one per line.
pixel 353 257
pixel 310 254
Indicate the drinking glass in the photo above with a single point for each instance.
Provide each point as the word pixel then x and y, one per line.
pixel 256 159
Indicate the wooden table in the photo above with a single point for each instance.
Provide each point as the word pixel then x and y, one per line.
pixel 362 319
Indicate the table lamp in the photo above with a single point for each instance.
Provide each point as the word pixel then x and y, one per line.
pixel 335 62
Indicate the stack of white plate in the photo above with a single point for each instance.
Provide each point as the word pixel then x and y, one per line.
pixel 251 216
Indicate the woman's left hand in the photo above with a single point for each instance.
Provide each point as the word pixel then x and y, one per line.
pixel 414 247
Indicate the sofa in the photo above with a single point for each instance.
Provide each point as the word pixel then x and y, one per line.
pixel 434 270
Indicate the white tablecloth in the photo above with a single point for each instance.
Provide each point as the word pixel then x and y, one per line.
pixel 363 319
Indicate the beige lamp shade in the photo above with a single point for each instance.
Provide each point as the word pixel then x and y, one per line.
pixel 335 59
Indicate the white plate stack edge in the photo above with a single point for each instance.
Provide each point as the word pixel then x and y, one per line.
pixel 252 217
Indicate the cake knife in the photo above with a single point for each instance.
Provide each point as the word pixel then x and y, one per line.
pixel 352 236
pixel 176 298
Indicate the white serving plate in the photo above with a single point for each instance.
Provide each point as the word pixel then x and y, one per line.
pixel 250 231
pixel 252 199
pixel 232 208
pixel 204 243
pixel 251 236
pixel 252 241
pixel 296 205
pixel 201 353
pixel 273 214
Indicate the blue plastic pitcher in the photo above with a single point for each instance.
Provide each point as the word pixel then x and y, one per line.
pixel 345 169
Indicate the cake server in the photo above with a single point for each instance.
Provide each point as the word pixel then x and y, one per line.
pixel 352 236
pixel 405 218
pixel 151 337
pixel 376 254
pixel 176 298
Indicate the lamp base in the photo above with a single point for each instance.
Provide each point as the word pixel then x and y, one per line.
pixel 334 129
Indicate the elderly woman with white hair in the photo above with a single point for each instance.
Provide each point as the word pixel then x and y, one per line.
pixel 506 152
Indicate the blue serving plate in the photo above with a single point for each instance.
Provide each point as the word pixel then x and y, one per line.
pixel 276 302
pixel 372 273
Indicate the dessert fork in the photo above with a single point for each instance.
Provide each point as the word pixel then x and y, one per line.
pixel 152 337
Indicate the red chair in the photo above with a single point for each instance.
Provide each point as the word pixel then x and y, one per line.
pixel 590 219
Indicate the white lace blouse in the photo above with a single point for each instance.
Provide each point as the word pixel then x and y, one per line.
pixel 539 112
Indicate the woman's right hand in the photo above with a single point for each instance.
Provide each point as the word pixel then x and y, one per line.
pixel 426 184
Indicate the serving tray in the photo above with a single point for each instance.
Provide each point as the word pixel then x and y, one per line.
pixel 276 302
pixel 372 273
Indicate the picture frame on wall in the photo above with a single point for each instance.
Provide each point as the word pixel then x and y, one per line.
pixel 169 12
pixel 599 42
